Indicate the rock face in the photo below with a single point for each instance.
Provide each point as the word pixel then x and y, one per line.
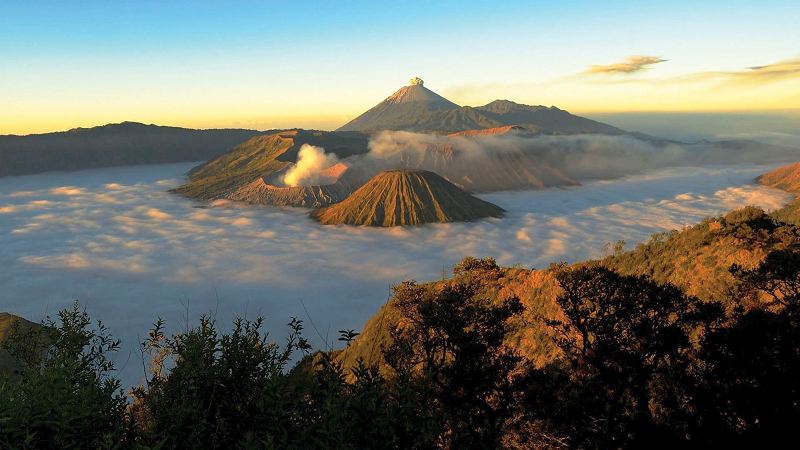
pixel 406 197
pixel 788 179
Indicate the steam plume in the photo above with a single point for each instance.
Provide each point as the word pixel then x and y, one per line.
pixel 311 161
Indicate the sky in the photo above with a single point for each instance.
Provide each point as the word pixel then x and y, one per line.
pixel 279 64
pixel 131 252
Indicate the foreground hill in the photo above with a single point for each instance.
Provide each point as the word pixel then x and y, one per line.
pixel 406 197
pixel 788 179
pixel 7 364
pixel 697 260
pixel 417 108
pixel 121 144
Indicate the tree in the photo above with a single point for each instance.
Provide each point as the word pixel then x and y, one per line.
pixel 749 388
pixel 66 396
pixel 216 389
pixel 630 342
pixel 454 340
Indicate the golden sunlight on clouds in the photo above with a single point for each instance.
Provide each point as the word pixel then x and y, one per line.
pixel 770 73
pixel 631 64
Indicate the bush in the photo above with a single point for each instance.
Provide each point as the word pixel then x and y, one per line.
pixel 65 396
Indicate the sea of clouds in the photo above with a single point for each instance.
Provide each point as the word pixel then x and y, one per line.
pixel 116 240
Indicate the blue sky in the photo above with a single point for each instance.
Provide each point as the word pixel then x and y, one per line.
pixel 317 64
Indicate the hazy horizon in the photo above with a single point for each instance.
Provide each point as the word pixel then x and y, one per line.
pixel 209 64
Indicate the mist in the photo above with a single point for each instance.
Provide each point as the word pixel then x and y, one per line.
pixel 771 127
pixel 521 160
pixel 116 240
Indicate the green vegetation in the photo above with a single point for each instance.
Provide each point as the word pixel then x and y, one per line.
pixel 65 396
pixel 641 365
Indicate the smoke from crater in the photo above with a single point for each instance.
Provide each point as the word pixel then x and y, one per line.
pixel 311 161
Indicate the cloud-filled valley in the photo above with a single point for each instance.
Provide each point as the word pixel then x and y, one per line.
pixel 137 252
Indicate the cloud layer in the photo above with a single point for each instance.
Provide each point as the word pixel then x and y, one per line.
pixel 136 252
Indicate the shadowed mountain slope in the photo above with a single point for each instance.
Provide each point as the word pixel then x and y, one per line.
pixel 120 144
pixel 7 363
pixel 406 197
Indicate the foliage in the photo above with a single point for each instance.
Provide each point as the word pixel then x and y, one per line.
pixel 697 259
pixel 214 391
pixel 628 342
pixel 454 340
pixel 66 397
pixel 643 364
pixel 748 383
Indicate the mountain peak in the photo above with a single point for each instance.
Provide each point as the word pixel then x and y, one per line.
pixel 404 106
pixel 419 93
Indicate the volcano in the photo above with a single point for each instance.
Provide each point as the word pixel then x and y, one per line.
pixel 406 197
pixel 417 108
pixel 402 107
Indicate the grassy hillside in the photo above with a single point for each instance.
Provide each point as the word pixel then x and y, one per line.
pixel 698 258
pixel 122 144
pixel 788 179
pixel 263 156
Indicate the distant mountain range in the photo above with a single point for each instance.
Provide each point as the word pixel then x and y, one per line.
pixel 417 108
pixel 121 144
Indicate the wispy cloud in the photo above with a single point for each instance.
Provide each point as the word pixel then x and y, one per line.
pixel 629 65
pixel 770 73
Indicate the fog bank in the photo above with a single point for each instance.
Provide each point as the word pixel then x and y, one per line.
pixel 116 238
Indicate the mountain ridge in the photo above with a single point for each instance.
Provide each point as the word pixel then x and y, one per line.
pixel 117 144
pixel 417 108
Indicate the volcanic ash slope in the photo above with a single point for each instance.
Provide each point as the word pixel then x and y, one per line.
pixel 406 197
